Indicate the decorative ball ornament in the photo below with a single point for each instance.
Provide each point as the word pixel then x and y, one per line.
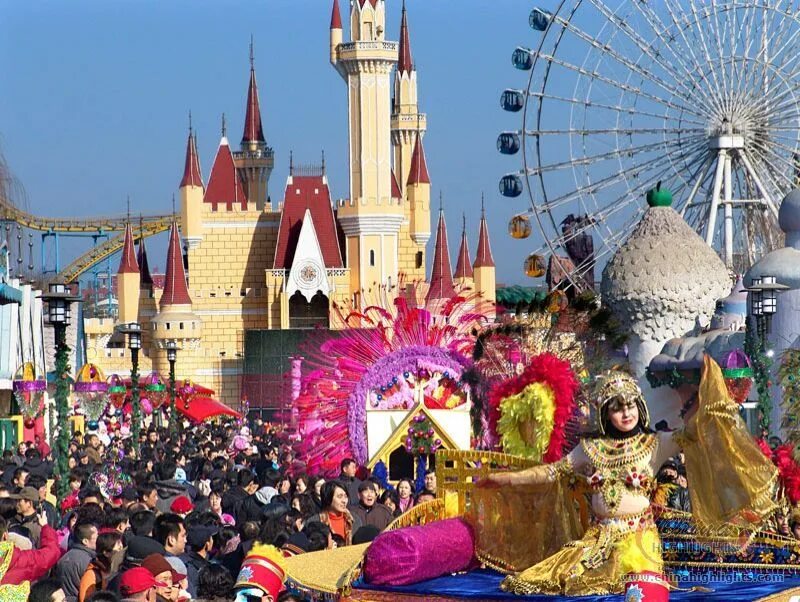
pixel 91 392
pixel 117 391
pixel 29 423
pixel 29 387
pixel 146 405
pixel 738 373
pixel 535 266
pixel 155 390
pixel 92 425
pixel 520 226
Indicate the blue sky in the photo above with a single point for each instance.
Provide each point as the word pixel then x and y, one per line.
pixel 96 96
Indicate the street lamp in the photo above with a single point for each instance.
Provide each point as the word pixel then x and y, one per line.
pixel 59 299
pixel 133 330
pixel 172 356
pixel 770 287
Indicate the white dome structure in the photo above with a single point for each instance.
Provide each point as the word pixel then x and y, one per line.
pixel 784 265
pixel 662 283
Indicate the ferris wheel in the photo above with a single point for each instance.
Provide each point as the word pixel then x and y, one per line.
pixel 700 96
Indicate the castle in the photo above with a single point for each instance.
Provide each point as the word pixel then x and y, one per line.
pixel 252 264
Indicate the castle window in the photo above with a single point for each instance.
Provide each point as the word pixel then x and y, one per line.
pixel 372 258
pixel 180 325
pixel 419 259
pixel 168 325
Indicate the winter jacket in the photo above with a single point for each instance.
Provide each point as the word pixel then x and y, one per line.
pixel 194 564
pixel 37 466
pixel 169 490
pixel 377 515
pixel 32 565
pixel 70 569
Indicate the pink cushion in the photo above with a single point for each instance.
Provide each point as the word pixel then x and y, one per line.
pixel 414 554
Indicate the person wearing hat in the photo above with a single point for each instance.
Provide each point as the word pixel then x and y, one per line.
pixel 27 504
pixel 162 571
pixel 179 577
pixel 181 505
pixel 201 540
pixel 262 575
pixel 138 585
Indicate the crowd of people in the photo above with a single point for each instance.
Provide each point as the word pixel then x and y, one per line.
pixel 171 518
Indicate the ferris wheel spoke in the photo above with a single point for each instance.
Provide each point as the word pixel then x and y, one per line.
pixel 606 50
pixel 619 131
pixel 633 172
pixel 595 159
pixel 647 49
pixel 629 110
pixel 692 69
pixel 681 25
pixel 617 84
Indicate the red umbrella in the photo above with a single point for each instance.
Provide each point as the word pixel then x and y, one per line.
pixel 202 408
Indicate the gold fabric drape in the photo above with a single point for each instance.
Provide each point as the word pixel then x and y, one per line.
pixel 516 527
pixel 730 479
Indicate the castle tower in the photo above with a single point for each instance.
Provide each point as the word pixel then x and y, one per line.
pixel 224 191
pixel 441 281
pixel 370 218
pixel 418 214
pixel 336 31
pixel 191 194
pixel 147 301
pixel 484 269
pixel 407 122
pixel 128 281
pixel 175 320
pixel 463 275
pixel 255 160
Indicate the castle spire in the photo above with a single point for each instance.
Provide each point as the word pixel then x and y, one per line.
pixel 336 17
pixel 128 264
pixel 418 174
pixel 441 283
pixel 463 263
pixel 191 169
pixel 145 278
pixel 404 63
pixel 175 290
pixel 253 131
pixel 483 258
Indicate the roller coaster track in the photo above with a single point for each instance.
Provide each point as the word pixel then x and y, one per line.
pixel 146 225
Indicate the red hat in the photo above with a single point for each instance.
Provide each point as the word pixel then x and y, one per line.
pixel 181 505
pixel 136 580
pixel 263 568
pixel 646 585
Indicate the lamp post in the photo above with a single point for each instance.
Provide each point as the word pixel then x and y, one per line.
pixel 133 330
pixel 770 287
pixel 756 305
pixel 172 356
pixel 58 299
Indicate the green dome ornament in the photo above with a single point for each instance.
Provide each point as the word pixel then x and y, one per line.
pixel 659 197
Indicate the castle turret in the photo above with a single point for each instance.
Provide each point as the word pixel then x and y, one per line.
pixel 463 275
pixel 191 193
pixel 336 31
pixel 255 160
pixel 224 192
pixel 484 268
pixel 407 122
pixel 175 320
pixel 441 281
pixel 128 281
pixel 370 218
pixel 418 193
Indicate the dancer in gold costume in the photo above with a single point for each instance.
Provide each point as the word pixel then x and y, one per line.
pixel 529 518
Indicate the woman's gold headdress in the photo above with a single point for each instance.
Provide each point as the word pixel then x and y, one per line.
pixel 621 386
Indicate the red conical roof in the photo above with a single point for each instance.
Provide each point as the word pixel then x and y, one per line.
pixel 336 17
pixel 441 283
pixel 146 279
pixel 396 192
pixel 484 258
pixel 175 290
pixel 463 263
pixel 127 264
pixel 191 169
pixel 253 132
pixel 419 168
pixel 224 186
pixel 374 3
pixel 404 64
